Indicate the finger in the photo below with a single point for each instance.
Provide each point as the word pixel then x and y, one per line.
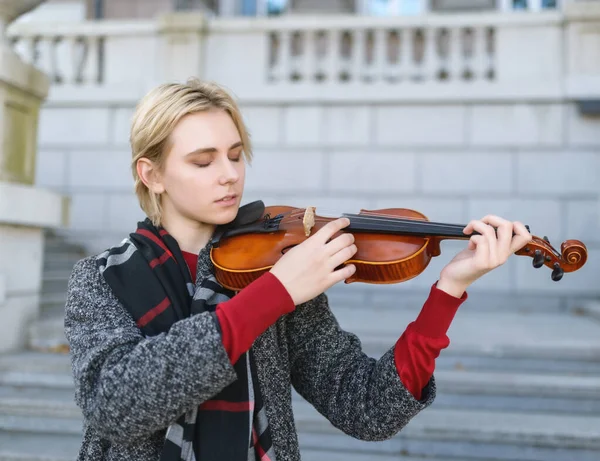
pixel 522 237
pixel 338 243
pixel 324 234
pixel 342 256
pixel 504 235
pixel 469 228
pixel 482 251
pixel 341 274
pixel 491 241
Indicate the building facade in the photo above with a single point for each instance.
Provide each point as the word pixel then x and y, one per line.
pixel 456 116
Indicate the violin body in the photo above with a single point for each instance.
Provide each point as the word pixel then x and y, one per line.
pixel 393 244
pixel 380 258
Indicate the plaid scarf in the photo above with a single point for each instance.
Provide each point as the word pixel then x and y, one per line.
pixel 149 275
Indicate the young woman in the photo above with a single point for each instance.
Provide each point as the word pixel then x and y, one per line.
pixel 170 365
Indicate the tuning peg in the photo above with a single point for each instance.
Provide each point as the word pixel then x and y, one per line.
pixel 527 227
pixel 538 259
pixel 546 239
pixel 557 273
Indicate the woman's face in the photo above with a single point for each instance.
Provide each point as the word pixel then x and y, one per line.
pixel 203 175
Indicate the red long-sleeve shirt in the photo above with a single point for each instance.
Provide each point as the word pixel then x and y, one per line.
pixel 247 315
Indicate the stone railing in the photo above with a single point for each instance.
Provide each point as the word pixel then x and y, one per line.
pixel 434 56
pixel 86 54
pixel 469 56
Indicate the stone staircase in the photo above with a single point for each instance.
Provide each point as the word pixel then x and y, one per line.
pixel 514 385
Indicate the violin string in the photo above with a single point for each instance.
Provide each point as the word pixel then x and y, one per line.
pixel 404 220
pixel 410 229
pixel 408 225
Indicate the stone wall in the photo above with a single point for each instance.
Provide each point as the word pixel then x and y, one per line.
pixel 518 148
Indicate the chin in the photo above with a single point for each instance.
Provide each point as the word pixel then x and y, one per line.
pixel 225 216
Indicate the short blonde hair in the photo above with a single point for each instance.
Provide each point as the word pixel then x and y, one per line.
pixel 156 116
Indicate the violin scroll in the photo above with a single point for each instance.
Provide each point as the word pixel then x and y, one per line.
pixel 573 255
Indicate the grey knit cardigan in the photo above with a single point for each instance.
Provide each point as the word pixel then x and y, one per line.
pixel 130 388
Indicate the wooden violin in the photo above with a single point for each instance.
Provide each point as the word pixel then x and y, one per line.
pixel 394 244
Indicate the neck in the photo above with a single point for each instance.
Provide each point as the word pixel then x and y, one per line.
pixel 402 226
pixel 191 235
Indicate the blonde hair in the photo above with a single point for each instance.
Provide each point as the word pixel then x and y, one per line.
pixel 156 116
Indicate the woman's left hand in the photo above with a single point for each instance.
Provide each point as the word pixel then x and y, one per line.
pixel 484 253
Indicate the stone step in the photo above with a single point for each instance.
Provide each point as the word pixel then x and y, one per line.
pixel 310 454
pixel 53 304
pixel 38 399
pixel 47 333
pixel 490 334
pixel 467 434
pixel 56 244
pixel 35 362
pixel 60 262
pixel 540 343
pixel 31 393
pixel 55 281
pixel 28 379
pixel 449 383
pixel 39 439
pixel 21 445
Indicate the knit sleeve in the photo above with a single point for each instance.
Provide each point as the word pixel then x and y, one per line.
pixel 129 386
pixel 358 394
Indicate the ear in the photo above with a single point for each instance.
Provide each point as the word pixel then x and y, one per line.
pixel 150 176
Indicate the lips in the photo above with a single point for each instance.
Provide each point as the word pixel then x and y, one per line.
pixel 226 198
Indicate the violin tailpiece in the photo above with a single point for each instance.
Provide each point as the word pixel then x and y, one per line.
pixel 309 219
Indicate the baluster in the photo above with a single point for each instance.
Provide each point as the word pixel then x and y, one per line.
pixel 478 65
pixel 283 56
pixel 359 39
pixel 379 65
pixel 455 54
pixel 345 56
pixel 332 56
pixel 370 50
pixel 320 55
pixel 393 56
pixel 430 57
pixel 91 61
pixel 417 39
pixel 20 47
pixel 406 63
pixel 309 61
pixel 295 55
pixel 65 68
pixel 489 40
pixel 46 59
pixel 273 46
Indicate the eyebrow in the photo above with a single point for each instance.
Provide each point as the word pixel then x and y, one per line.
pixel 205 150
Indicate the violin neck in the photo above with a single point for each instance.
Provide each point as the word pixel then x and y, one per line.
pixel 403 226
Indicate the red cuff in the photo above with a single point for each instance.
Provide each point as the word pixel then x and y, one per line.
pixel 437 313
pixel 248 314
pixel 423 340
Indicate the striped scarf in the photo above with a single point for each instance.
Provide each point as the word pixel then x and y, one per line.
pixel 149 275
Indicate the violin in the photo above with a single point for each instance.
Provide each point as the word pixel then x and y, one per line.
pixel 393 244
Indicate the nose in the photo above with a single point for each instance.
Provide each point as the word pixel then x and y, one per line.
pixel 229 173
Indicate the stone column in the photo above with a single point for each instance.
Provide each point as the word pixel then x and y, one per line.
pixel 180 46
pixel 24 209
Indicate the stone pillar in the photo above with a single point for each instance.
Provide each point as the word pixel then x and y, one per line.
pixel 24 209
pixel 180 46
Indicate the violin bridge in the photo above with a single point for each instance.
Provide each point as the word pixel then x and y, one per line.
pixel 309 219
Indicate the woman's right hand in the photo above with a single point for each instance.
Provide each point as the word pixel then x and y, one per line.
pixel 309 269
